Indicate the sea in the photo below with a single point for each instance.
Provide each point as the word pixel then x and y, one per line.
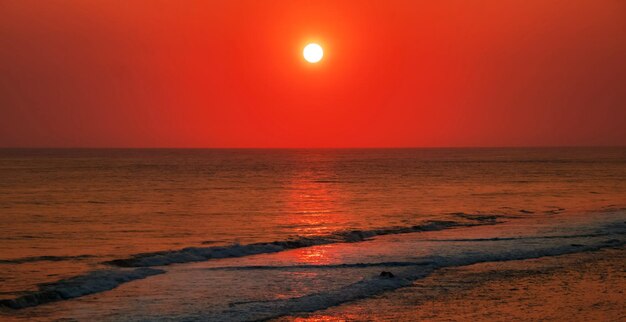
pixel 259 234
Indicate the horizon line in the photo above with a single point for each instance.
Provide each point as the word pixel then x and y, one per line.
pixel 306 148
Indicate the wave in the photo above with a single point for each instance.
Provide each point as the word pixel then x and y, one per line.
pixel 518 238
pixel 43 258
pixel 104 280
pixel 197 254
pixel 406 272
pixel 92 282
pixel 329 266
pixel 403 275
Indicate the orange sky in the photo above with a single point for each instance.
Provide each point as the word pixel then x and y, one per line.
pixel 113 73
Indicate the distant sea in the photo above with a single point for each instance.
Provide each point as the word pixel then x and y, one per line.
pixel 245 234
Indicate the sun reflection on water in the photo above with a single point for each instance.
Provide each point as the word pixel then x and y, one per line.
pixel 313 207
pixel 313 204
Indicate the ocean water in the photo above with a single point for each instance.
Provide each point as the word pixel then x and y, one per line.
pixel 246 234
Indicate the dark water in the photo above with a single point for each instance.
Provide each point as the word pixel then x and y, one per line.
pixel 63 213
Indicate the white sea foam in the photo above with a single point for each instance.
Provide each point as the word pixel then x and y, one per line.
pixel 405 271
pixel 405 274
pixel 197 254
pixel 103 280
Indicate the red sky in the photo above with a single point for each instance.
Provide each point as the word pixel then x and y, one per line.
pixel 117 73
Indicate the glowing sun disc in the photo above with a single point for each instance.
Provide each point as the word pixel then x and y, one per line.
pixel 313 53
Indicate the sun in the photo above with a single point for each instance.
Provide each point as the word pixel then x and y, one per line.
pixel 313 53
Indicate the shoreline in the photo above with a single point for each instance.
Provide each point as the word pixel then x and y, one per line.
pixel 582 286
pixel 435 270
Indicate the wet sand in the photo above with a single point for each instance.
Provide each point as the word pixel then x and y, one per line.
pixel 577 287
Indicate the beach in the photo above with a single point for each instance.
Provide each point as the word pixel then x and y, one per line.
pixel 576 287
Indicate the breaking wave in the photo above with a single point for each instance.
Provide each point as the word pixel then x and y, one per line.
pixel 403 274
pixel 198 254
pixel 330 266
pixel 92 282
